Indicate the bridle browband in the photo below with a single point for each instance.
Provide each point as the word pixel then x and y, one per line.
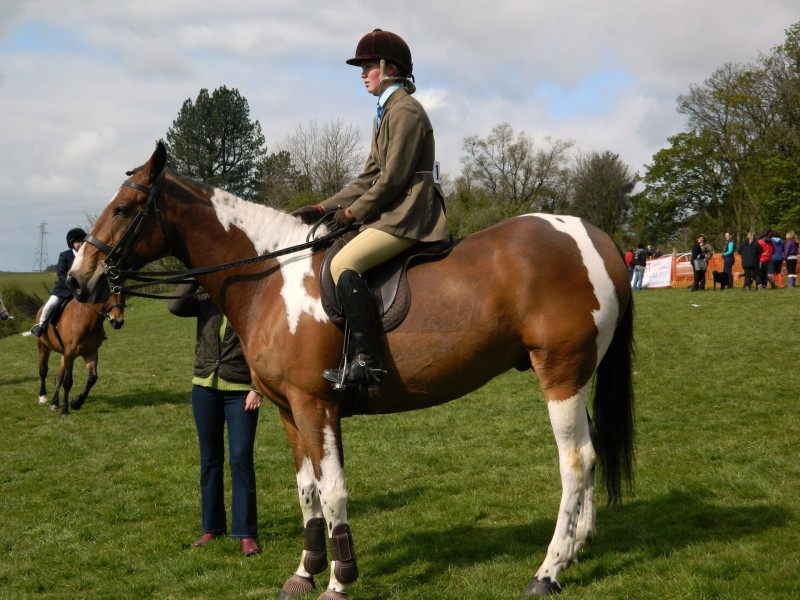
pixel 113 263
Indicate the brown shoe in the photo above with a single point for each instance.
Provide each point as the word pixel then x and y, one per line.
pixel 207 537
pixel 249 546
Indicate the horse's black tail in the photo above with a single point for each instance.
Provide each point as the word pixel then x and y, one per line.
pixel 613 409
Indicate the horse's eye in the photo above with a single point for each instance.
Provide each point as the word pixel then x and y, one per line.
pixel 121 210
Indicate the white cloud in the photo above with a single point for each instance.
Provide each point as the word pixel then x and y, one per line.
pixel 87 146
pixel 48 185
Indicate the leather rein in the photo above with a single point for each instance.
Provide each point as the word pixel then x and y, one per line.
pixel 113 265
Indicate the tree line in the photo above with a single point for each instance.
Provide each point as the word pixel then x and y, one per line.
pixel 736 167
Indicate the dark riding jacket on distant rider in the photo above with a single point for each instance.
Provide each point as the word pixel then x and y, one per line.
pixel 397 197
pixel 75 238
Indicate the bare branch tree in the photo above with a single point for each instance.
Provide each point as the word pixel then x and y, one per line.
pixel 328 155
pixel 509 168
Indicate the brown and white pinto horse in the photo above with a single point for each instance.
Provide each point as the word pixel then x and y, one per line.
pixel 542 292
pixel 78 332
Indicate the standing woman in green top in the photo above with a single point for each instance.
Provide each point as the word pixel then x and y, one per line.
pixel 397 198
pixel 728 257
pixel 221 394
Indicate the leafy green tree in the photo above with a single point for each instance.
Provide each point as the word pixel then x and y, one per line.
pixel 602 187
pixel 214 140
pixel 782 165
pixel 683 188
pixel 738 165
pixel 283 186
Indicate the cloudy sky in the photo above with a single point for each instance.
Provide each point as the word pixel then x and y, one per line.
pixel 88 86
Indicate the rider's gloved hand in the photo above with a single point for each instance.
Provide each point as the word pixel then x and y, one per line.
pixel 344 218
pixel 309 214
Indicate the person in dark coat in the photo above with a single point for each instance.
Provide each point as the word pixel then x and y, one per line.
pixel 750 251
pixel 222 395
pixel 75 239
pixel 790 252
pixel 699 263
pixel 728 257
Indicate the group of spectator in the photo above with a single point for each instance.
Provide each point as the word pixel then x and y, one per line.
pixel 636 261
pixel 764 256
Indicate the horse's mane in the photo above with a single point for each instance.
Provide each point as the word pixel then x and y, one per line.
pixel 268 227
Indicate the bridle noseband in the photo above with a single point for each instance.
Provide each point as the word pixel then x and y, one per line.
pixel 106 312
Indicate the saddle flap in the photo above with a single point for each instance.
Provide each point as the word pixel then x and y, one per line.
pixel 387 282
pixel 59 309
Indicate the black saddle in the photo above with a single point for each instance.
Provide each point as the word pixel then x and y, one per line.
pixel 387 282
pixel 56 314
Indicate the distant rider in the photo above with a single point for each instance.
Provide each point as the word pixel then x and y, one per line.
pixel 75 239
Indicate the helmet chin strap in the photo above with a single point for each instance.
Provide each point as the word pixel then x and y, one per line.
pixel 407 82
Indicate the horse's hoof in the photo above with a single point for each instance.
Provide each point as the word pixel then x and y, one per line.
pixel 53 407
pixel 77 402
pixel 296 585
pixel 542 587
pixel 331 595
pixel 43 400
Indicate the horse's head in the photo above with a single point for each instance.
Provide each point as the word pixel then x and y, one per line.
pixel 115 310
pixel 127 235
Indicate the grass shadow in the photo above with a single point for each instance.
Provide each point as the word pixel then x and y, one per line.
pixel 138 398
pixel 642 529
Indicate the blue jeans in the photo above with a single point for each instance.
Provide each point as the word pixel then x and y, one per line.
pixel 638 276
pixel 727 267
pixel 212 409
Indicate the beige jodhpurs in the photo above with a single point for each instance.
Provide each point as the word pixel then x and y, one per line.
pixel 368 249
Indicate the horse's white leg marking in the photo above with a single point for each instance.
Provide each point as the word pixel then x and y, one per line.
pixel 308 493
pixel 270 230
pixel 587 515
pixel 576 459
pixel 606 316
pixel 333 495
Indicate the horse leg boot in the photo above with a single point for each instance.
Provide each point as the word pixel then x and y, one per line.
pixel 364 366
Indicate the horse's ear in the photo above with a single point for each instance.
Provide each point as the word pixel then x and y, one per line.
pixel 157 161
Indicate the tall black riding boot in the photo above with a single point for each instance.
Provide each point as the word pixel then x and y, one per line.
pixel 363 366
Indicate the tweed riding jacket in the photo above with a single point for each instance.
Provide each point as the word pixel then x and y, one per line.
pixel 396 192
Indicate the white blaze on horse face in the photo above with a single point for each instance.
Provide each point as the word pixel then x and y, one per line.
pixel 271 230
pixel 606 316
pixel 91 280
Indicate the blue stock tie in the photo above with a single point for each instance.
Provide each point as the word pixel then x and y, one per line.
pixel 378 115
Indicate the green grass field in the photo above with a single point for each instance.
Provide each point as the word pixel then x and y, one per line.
pixel 454 502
